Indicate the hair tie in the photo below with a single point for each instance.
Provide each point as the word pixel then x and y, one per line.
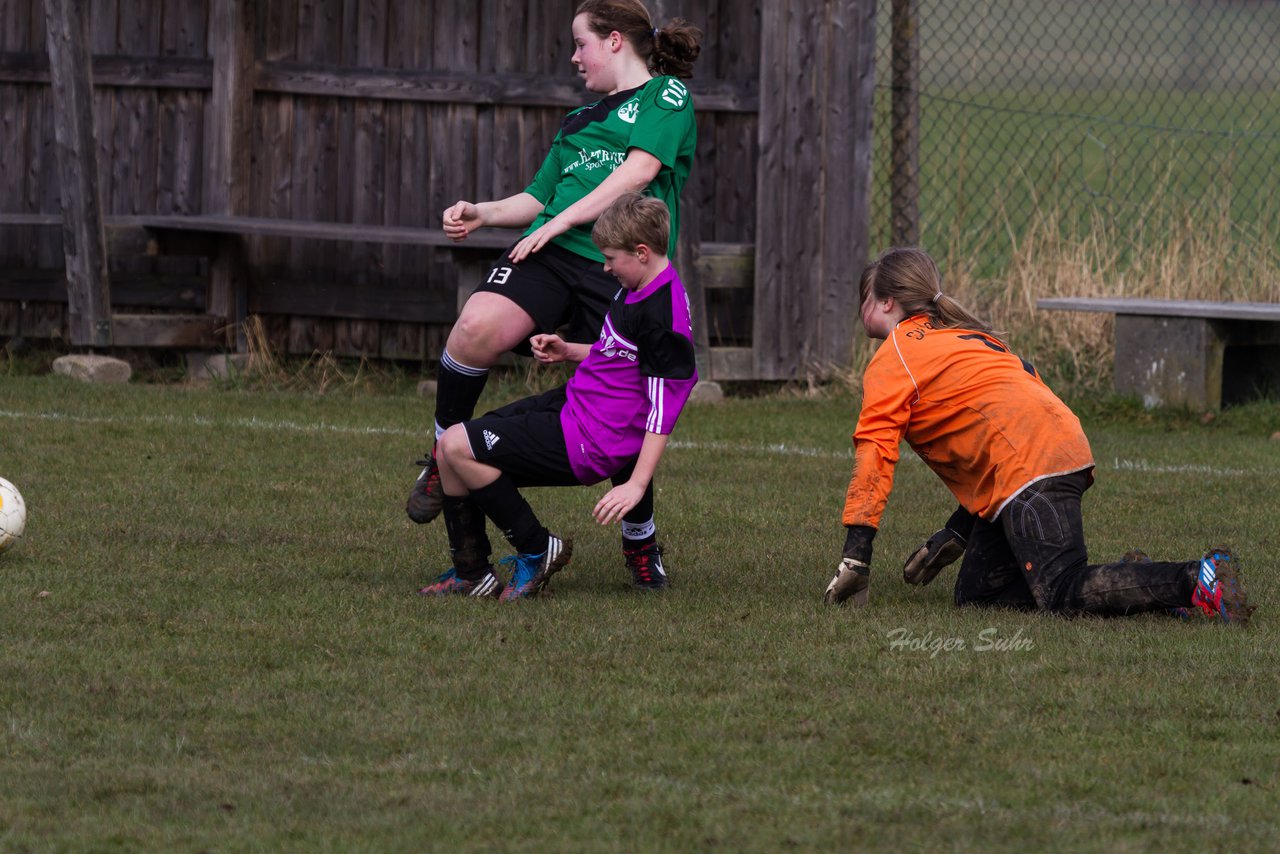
pixel 937 296
pixel 655 33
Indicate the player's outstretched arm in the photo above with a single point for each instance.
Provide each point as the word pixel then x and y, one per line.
pixel 618 501
pixel 463 217
pixel 632 175
pixel 549 348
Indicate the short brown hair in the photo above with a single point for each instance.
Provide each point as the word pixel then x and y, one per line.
pixel 633 219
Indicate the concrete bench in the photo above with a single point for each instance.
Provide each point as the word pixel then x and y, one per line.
pixel 1195 354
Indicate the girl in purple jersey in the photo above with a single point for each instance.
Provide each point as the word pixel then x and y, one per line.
pixel 611 420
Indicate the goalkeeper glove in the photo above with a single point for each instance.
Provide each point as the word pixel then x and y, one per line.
pixel 924 564
pixel 853 575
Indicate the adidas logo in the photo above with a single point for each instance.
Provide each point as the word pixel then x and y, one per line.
pixel 490 440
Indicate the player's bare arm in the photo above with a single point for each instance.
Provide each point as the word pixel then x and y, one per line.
pixel 549 349
pixel 464 217
pixel 618 501
pixel 634 174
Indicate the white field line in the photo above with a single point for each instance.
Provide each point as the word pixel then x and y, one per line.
pixel 780 449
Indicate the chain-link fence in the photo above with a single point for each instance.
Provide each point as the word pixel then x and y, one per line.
pixel 1080 109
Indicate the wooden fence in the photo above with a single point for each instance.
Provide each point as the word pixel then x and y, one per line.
pixel 376 115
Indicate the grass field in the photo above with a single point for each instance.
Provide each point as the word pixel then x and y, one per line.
pixel 211 642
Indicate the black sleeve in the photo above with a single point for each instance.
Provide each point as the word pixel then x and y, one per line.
pixel 666 353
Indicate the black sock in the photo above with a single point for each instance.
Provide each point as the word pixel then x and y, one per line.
pixel 504 504
pixel 468 542
pixel 458 387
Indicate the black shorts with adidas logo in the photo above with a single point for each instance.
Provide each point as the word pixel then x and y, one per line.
pixel 525 440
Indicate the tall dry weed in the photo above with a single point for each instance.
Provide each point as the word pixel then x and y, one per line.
pixel 1156 254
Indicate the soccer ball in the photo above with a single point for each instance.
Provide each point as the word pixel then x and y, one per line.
pixel 13 514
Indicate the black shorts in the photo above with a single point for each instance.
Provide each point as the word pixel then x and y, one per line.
pixel 525 440
pixel 557 288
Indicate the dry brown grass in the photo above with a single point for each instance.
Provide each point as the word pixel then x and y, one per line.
pixel 321 372
pixel 1195 259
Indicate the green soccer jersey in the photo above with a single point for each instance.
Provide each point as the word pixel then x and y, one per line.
pixel 593 140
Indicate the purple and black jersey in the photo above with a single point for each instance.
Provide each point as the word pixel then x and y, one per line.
pixel 635 379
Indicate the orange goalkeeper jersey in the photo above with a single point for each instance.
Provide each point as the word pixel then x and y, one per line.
pixel 978 415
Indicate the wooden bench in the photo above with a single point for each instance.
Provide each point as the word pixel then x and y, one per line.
pixel 1196 354
pixel 220 239
pixel 724 267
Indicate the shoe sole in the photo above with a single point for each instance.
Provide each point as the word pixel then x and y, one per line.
pixel 422 506
pixel 1234 608
pixel 421 514
pixel 489 589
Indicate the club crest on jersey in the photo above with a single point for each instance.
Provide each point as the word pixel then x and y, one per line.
pixel 674 95
pixel 629 111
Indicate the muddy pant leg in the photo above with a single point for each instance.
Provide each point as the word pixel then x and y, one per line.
pixel 989 574
pixel 1045 532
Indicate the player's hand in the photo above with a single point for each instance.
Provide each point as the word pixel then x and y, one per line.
pixel 460 220
pixel 618 502
pixel 924 564
pixel 549 348
pixel 851 581
pixel 537 239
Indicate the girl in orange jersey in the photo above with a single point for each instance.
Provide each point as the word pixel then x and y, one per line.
pixel 1012 453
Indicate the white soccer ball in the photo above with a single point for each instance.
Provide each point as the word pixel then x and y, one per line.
pixel 13 515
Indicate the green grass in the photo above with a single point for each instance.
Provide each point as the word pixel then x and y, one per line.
pixel 211 642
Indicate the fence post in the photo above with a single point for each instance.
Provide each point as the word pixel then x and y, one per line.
pixel 229 141
pixel 84 243
pixel 904 178
pixel 817 79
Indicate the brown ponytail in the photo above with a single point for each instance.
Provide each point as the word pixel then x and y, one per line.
pixel 911 278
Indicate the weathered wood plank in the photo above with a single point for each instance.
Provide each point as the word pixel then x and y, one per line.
pixel 15 26
pixel 449 87
pixel 185 331
pixel 311 335
pixel 184 29
pixel 279 30
pixel 44 320
pixel 104 27
pixel 148 291
pixel 356 338
pixel 517 89
pixel 138 30
pixel 43 180
pixel 124 71
pixel 403 341
pixel 408 31
pixel 273 179
pixel 732 363
pixel 84 240
pixel 13 129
